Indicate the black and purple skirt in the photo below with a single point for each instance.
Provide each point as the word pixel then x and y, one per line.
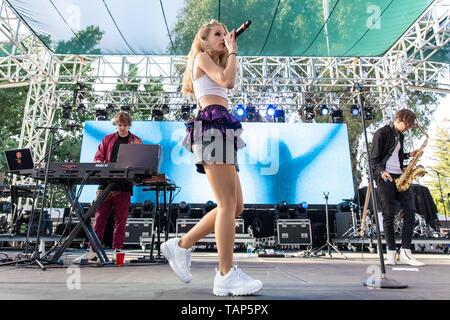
pixel 214 137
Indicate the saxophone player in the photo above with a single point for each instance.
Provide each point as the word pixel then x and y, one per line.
pixel 386 160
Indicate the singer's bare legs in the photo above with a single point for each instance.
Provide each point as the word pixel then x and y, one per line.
pixel 226 186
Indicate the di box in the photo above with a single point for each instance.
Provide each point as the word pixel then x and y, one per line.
pixel 184 225
pixel 293 231
pixel 137 228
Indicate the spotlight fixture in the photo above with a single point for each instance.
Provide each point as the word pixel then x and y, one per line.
pixel 157 115
pixel 270 110
pixel 324 110
pixel 209 205
pixel 125 108
pixel 184 210
pixel 109 109
pixel 337 116
pixel 250 113
pixel 279 115
pixel 282 210
pixel 307 113
pixel 240 111
pixel 369 113
pixel 165 109
pixel 101 114
pixel 355 110
pixel 302 210
pixel 185 112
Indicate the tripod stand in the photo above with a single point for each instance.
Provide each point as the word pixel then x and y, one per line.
pixel 353 231
pixel 382 281
pixel 328 244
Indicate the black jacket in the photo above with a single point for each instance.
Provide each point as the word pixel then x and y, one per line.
pixel 383 145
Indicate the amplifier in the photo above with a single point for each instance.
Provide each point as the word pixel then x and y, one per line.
pixel 293 232
pixel 137 228
pixel 184 225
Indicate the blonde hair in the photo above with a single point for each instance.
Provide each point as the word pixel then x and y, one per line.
pixel 122 117
pixel 200 45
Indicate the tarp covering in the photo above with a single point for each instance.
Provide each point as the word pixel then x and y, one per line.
pixel 280 27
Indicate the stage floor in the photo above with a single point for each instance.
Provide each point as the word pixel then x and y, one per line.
pixel 290 278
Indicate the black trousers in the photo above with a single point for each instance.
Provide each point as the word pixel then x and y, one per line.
pixel 388 194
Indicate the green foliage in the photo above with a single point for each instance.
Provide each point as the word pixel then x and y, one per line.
pixel 84 41
pixel 12 104
pixel 441 153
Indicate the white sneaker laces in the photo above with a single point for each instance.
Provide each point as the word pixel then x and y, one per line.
pixel 242 275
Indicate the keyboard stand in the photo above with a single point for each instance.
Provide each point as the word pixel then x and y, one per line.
pixel 83 224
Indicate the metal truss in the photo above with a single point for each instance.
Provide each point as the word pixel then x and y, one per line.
pixel 288 82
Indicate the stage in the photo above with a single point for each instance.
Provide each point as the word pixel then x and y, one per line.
pixel 291 278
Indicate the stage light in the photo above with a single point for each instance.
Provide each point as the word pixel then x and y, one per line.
pixel 302 210
pixel 369 113
pixel 282 210
pixel 165 109
pixel 66 111
pixel 324 110
pixel 100 114
pixel 337 116
pixel 355 110
pixel 307 113
pixel 185 112
pixel 240 110
pixel 250 113
pixel 270 110
pixel 279 115
pixel 81 110
pixel 157 115
pixel 109 109
pixel 209 205
pixel 125 108
pixel 184 210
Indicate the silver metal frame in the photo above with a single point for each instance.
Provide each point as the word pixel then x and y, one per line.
pixel 289 82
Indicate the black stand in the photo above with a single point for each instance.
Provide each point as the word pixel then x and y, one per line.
pixel 382 282
pixel 167 209
pixel 443 200
pixel 328 244
pixel 35 257
pixel 84 218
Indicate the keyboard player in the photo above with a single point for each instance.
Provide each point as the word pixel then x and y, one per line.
pixel 119 198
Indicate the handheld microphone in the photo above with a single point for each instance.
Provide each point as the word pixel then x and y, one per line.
pixel 243 27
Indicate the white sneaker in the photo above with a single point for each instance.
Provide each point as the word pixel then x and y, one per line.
pixel 391 257
pixel 179 259
pixel 89 257
pixel 236 282
pixel 406 257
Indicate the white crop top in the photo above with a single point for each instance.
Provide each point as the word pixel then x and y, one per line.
pixel 204 86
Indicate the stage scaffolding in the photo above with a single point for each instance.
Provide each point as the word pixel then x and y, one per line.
pixel 289 82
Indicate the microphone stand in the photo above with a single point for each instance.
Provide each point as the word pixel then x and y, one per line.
pixel 377 281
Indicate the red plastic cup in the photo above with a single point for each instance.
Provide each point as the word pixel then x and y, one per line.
pixel 120 257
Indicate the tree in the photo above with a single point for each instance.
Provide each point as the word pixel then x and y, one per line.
pixel 12 102
pixel 132 86
pixel 442 147
pixel 303 19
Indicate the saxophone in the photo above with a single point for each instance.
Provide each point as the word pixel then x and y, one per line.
pixel 412 171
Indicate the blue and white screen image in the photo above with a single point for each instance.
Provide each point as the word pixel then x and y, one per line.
pixel 292 162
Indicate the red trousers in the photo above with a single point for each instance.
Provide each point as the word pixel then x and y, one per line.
pixel 120 201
